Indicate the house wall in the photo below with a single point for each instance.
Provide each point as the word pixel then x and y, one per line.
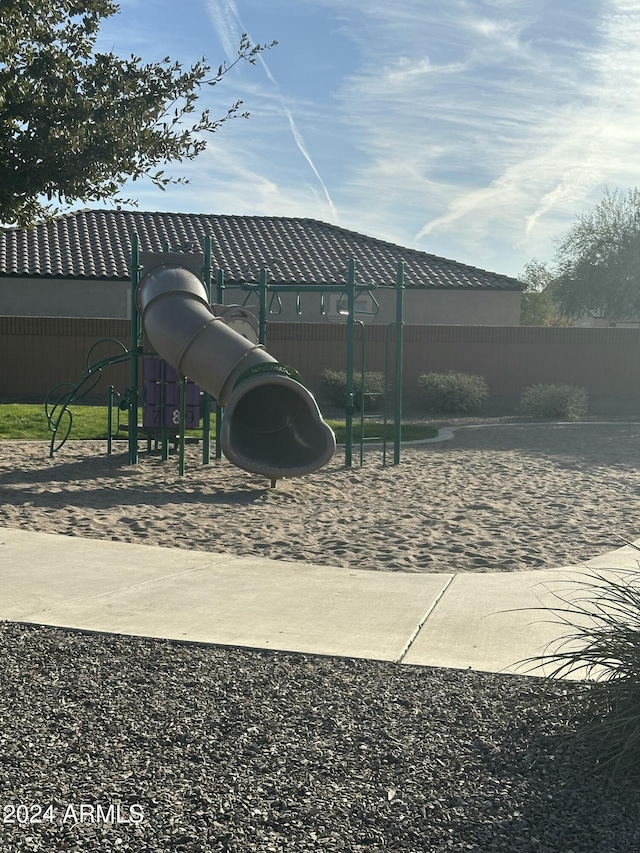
pixel 61 297
pixel 463 307
pixel 110 299
pixel 422 306
pixel 38 353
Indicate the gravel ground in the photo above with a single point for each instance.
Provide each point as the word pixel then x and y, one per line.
pixel 206 749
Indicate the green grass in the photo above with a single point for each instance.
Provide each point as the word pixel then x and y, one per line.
pixel 29 422
pixel 21 421
pixel 373 430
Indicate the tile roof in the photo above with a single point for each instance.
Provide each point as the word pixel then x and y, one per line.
pixel 96 244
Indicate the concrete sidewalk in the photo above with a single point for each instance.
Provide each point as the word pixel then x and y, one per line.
pixel 460 620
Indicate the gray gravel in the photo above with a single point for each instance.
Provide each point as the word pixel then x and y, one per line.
pixel 240 751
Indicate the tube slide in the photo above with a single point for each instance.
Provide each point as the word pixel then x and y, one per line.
pixel 272 425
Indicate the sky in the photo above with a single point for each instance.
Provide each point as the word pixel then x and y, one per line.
pixel 476 130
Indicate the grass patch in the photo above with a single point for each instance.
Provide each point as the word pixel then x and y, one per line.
pixel 20 421
pixel 373 430
pixel 28 422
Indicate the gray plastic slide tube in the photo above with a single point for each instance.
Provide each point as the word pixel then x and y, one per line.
pixel 272 424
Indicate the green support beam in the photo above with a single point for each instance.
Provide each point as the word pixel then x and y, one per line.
pixel 132 396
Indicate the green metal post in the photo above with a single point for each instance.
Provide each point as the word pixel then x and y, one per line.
pixel 397 428
pixel 182 425
pixel 351 304
pixel 219 411
pixel 133 349
pixel 262 327
pixel 385 399
pixel 220 286
pixel 363 362
pixel 206 398
pixel 111 396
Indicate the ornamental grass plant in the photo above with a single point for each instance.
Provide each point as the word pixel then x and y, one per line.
pixel 602 646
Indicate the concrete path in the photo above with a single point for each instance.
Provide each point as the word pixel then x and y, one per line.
pixel 461 620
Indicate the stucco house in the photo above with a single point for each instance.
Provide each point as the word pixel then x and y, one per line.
pixel 77 265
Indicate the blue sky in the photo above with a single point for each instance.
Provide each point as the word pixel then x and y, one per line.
pixel 472 129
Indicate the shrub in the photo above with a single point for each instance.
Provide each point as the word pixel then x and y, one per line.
pixel 568 402
pixel 454 393
pixel 604 646
pixel 334 388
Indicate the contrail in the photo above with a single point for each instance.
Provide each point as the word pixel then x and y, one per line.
pixel 224 26
pixel 229 37
pixel 297 135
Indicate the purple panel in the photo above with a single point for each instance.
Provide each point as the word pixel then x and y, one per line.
pixel 161 397
pixel 152 417
pixel 193 394
pixel 192 417
pixel 152 393
pixel 170 374
pixel 152 369
pixel 171 394
pixel 170 417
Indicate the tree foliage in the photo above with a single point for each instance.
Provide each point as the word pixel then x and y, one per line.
pixel 598 261
pixel 538 307
pixel 76 124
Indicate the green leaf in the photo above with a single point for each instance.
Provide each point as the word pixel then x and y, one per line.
pixel 119 118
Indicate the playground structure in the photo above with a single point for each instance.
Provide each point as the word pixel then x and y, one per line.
pixel 267 422
pixel 269 302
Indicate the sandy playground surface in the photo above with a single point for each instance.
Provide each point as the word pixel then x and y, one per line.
pixel 499 498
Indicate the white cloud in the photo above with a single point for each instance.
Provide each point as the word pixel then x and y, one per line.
pixel 476 129
pixel 494 123
pixel 576 148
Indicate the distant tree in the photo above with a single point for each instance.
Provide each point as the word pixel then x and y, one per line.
pixel 76 124
pixel 598 261
pixel 539 306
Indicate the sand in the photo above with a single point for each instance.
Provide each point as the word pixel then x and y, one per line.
pixel 498 498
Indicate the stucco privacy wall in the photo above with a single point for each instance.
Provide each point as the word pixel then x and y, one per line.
pixel 604 361
pixel 60 297
pixel 38 353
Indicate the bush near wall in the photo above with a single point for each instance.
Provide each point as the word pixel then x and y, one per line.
pixel 453 393
pixel 333 387
pixel 563 402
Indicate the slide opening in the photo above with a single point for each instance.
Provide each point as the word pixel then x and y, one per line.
pixel 272 426
pixel 273 423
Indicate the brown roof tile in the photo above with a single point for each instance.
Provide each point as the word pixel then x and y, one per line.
pixel 96 244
